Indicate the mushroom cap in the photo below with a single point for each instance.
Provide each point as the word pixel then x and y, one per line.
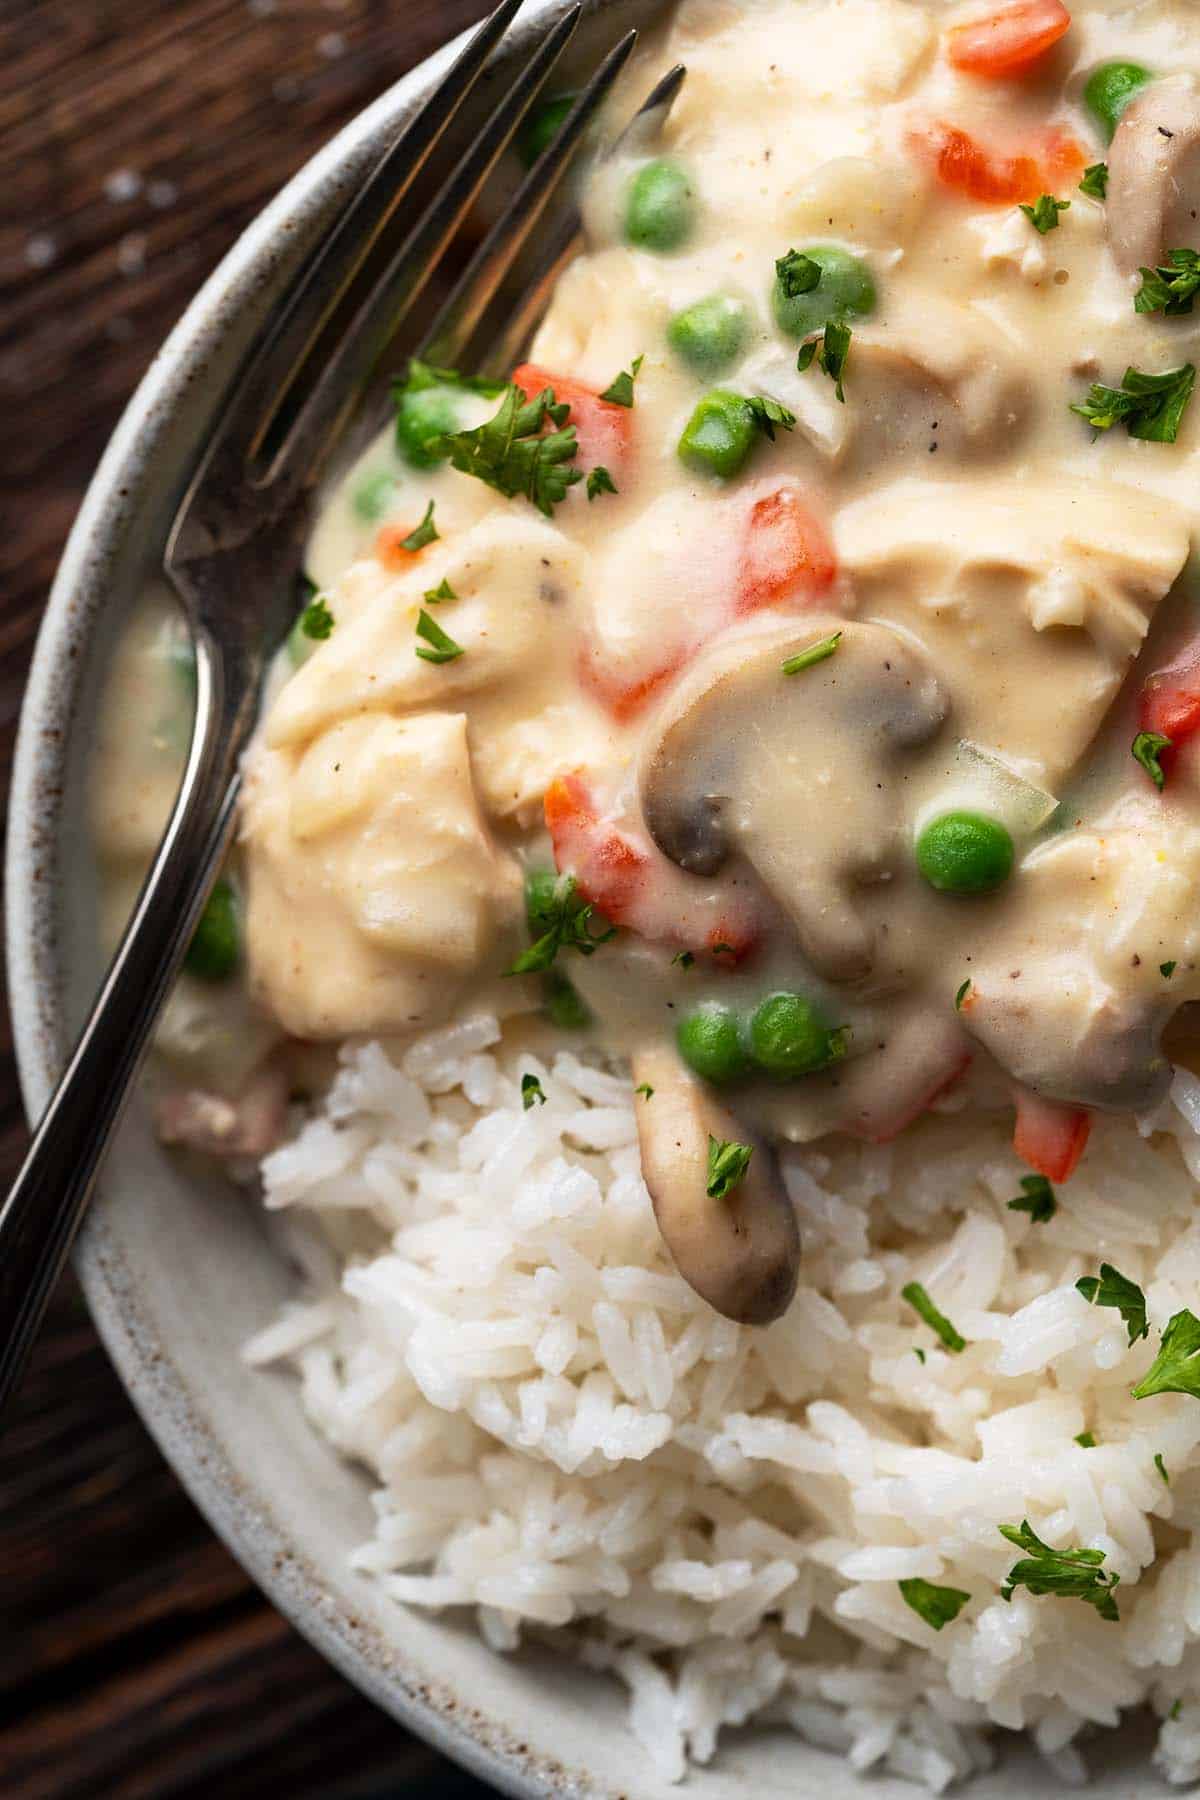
pixel 1154 174
pixel 799 774
pixel 741 1252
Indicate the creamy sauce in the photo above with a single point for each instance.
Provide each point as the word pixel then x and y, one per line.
pixel 1003 578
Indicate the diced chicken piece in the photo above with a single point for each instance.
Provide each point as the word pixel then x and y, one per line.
pixel 1031 601
pixel 373 886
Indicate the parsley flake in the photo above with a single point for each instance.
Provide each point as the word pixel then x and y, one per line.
pixel 1072 1574
pixel 1095 181
pixel 620 391
pixel 1167 969
pixel 1149 406
pixel 443 591
pixel 531 1092
pixel 815 653
pixel 425 533
pixel 1111 1288
pixel 727 1165
pixel 1176 1368
pixel 599 481
pixel 831 350
pixel 514 453
pixel 441 646
pixel 1043 214
pixel 798 274
pixel 1086 1440
pixel 767 414
pixel 938 1606
pixel 1145 749
pixel 1176 1709
pixel 1170 288
pixel 316 621
pixel 684 958
pixel 1161 1466
pixel 923 1306
pixel 645 1090
pixel 919 1354
pixel 568 925
pixel 421 375
pixel 1037 1199
pixel 962 993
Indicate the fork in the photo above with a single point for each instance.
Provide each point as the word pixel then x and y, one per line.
pixel 239 531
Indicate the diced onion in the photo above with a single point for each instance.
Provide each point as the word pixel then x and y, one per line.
pixel 980 781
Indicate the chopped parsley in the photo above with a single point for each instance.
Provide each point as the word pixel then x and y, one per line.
pixel 831 350
pixel 1170 288
pixel 684 958
pixel 645 1090
pixel 439 646
pixel 599 481
pixel 919 1354
pixel 1037 1199
pixel 815 653
pixel 921 1304
pixel 1072 1574
pixel 1145 749
pixel 1086 1440
pixel 1095 181
pixel 1176 1368
pixel 620 391
pixel 1167 969
pixel 316 621
pixel 1043 214
pixel 727 1165
pixel 568 925
pixel 1176 1709
pixel 1161 1466
pixel 514 453
pixel 798 274
pixel 443 591
pixel 938 1606
pixel 1149 406
pixel 531 1092
pixel 1111 1288
pixel 421 375
pixel 768 413
pixel 962 993
pixel 425 533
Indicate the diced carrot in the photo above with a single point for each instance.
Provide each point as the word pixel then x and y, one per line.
pixel 786 555
pixel 633 884
pixel 883 1131
pixel 604 431
pixel 1009 39
pixel 1170 700
pixel 1046 164
pixel 1050 1136
pixel 390 549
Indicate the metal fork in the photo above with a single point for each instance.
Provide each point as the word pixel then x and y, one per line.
pixel 238 532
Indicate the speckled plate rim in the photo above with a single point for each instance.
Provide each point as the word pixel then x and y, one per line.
pixel 442 1716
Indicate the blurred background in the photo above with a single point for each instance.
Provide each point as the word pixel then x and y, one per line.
pixel 137 139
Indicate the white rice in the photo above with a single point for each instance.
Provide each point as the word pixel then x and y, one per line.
pixel 564 1436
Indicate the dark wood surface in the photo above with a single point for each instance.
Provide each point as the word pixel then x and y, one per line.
pixel 137 138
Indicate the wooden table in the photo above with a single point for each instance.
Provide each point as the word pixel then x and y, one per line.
pixel 137 139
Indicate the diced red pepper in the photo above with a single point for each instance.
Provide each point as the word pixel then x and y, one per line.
pixel 787 556
pixel 1170 699
pixel 1050 1136
pixel 622 699
pixel 634 885
pixel 1008 40
pixel 604 431
pixel 1047 163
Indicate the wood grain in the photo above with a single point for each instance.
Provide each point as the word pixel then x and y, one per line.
pixel 137 139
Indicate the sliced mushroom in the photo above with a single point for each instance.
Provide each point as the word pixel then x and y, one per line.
pixel 246 1126
pixel 741 1252
pixel 1154 174
pixel 801 774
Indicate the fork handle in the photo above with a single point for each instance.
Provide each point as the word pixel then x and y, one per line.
pixel 46 1203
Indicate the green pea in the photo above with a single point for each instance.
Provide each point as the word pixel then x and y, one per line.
pixel 788 1036
pixel 216 947
pixel 660 206
pixel 541 126
pixel 710 1042
pixel 1110 88
pixel 845 291
pixel 965 853
pixel 709 334
pixel 425 414
pixel 565 1005
pixel 373 493
pixel 720 434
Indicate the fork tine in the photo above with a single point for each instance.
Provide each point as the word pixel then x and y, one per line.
pixel 498 342
pixel 324 277
pixel 338 384
pixel 463 307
